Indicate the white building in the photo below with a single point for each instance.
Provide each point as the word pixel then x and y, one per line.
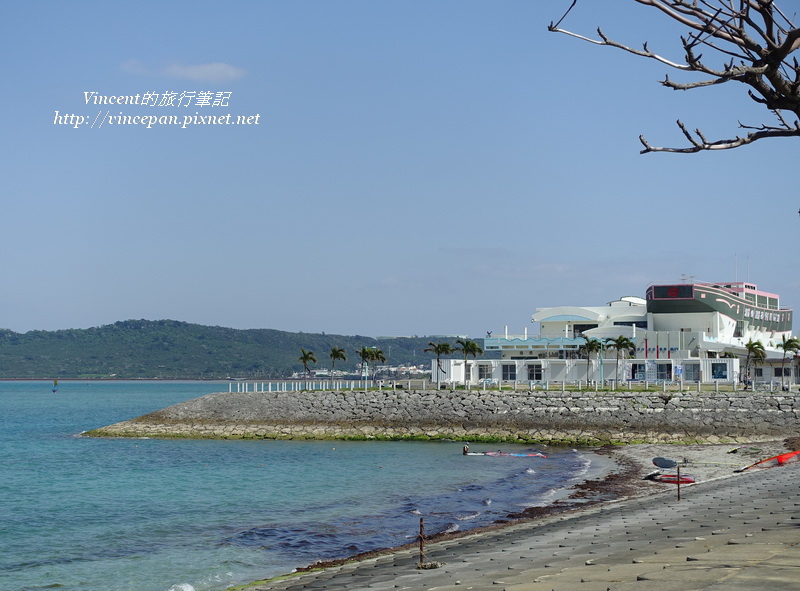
pixel 691 332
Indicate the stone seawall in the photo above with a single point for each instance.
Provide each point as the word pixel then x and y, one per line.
pixel 543 417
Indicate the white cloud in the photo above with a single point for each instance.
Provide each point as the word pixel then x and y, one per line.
pixel 214 72
pixel 134 67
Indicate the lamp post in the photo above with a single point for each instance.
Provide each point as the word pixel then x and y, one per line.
pixel 602 379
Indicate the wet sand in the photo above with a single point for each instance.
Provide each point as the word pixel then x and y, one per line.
pixel 618 531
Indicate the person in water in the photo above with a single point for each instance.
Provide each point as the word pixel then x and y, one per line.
pixel 466 449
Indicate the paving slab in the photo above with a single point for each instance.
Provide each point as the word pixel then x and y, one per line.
pixel 766 577
pixel 652 586
pixel 690 575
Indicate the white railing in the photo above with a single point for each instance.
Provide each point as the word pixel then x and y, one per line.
pixel 311 384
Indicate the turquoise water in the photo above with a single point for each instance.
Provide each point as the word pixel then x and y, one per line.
pixel 153 515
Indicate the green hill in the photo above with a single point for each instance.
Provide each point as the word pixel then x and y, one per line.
pixel 171 349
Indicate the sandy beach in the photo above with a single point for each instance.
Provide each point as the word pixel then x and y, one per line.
pixel 620 531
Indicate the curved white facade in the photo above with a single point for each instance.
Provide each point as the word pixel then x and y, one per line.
pixel 679 338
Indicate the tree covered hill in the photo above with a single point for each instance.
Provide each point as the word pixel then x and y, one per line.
pixel 173 349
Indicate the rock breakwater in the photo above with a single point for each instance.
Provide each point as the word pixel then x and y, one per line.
pixel 544 417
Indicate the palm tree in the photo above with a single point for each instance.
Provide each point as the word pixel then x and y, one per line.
pixel 591 345
pixel 376 356
pixel 366 355
pixel 797 362
pixel 337 353
pixel 623 345
pixel 790 344
pixel 467 348
pixel 305 358
pixel 438 349
pixel 756 350
pixel 370 355
pixel 758 360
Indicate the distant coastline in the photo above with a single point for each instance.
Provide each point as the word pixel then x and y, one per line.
pixel 50 379
pixel 156 349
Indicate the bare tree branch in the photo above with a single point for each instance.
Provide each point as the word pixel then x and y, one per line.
pixel 757 40
pixel 698 146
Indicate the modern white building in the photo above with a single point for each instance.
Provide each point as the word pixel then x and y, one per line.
pixel 691 332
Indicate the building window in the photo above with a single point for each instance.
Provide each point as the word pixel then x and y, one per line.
pixel 579 329
pixel 759 372
pixel 484 372
pixel 783 371
pixel 509 372
pixel 691 372
pixel 664 371
pixel 636 323
pixel 535 373
pixel 719 371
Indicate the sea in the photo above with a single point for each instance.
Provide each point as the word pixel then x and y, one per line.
pixel 90 514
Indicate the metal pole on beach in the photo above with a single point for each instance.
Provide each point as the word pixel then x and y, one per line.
pixel 421 540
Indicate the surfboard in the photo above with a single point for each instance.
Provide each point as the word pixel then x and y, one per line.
pixel 673 478
pixel 505 454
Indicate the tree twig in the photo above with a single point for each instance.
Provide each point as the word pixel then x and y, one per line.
pixel 762 50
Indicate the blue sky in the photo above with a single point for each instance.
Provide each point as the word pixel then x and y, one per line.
pixel 419 167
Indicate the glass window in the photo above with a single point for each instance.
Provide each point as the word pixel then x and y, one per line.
pixel 579 329
pixel 509 372
pixel 484 372
pixel 681 292
pixel 664 371
pixel 535 373
pixel 691 372
pixel 719 371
